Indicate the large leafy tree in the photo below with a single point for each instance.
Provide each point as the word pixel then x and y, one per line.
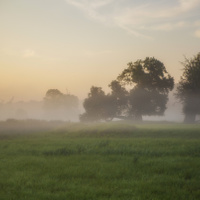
pixel 188 91
pixel 151 84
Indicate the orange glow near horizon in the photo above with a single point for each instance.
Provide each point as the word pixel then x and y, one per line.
pixel 57 44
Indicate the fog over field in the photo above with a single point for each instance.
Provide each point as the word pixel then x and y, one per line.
pixel 94 50
pixel 35 110
pixel 21 110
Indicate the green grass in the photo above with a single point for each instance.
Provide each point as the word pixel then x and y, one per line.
pixel 119 161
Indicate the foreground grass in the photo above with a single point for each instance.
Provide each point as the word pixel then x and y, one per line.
pixel 101 161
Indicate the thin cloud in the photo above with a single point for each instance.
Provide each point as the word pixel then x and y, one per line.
pixel 91 8
pixel 187 5
pixel 133 32
pixel 134 17
pixel 29 53
pixel 168 26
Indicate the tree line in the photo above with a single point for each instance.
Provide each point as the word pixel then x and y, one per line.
pixel 150 85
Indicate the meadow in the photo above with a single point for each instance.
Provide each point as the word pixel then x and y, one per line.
pixel 119 160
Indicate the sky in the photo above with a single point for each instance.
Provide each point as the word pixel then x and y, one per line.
pixel 71 45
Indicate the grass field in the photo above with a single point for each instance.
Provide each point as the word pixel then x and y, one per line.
pixel 119 161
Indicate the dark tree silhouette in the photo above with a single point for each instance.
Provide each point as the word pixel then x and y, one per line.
pixel 188 91
pixel 101 106
pixel 59 106
pixel 152 84
pixel 98 106
pixel 119 96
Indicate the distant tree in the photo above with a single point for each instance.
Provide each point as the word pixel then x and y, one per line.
pixel 53 99
pixel 98 106
pixel 152 84
pixel 188 91
pixel 58 105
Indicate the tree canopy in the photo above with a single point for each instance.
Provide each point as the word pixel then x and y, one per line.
pixel 148 96
pixel 95 105
pixel 188 90
pixel 101 106
pixel 152 84
pixel 119 96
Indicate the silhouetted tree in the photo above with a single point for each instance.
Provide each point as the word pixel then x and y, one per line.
pixel 152 84
pixel 98 106
pixel 58 105
pixel 188 91
pixel 101 106
pixel 119 97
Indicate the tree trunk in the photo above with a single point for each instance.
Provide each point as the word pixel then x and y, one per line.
pixel 137 118
pixel 189 118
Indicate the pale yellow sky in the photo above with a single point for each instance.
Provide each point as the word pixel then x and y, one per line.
pixel 74 44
